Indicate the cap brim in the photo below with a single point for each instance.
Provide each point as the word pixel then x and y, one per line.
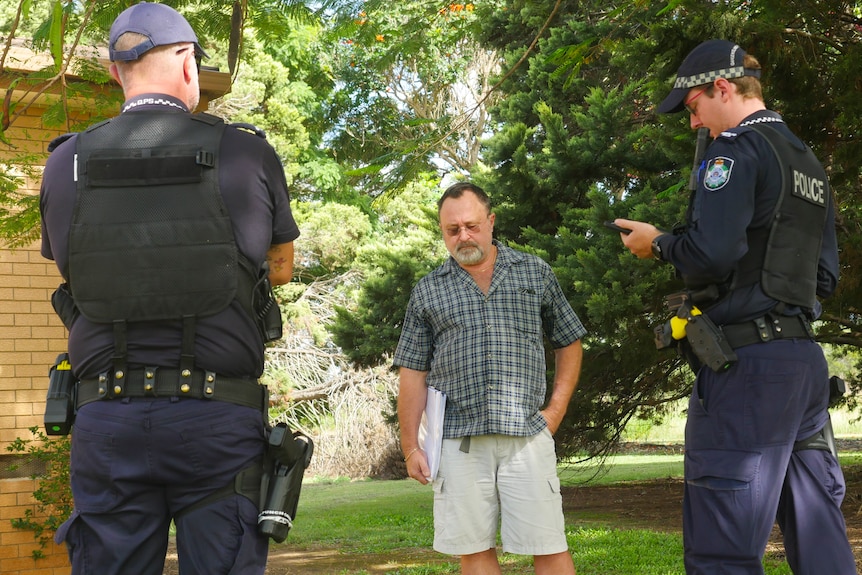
pixel 674 101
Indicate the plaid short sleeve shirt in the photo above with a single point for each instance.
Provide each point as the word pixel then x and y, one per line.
pixel 485 352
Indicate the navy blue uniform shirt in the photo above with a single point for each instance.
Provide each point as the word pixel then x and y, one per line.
pixel 254 189
pixel 716 237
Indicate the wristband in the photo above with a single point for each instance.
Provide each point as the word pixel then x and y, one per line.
pixel 414 450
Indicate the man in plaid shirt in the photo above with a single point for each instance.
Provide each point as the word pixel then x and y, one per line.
pixel 474 330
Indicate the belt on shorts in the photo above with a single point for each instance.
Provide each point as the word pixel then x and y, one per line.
pixel 171 382
pixel 767 328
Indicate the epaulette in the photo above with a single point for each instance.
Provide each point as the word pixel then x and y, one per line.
pixel 53 144
pixel 732 134
pixel 250 128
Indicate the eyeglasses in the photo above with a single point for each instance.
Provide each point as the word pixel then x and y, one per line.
pixel 693 111
pixel 471 229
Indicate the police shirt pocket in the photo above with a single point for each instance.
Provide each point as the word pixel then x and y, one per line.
pixel 720 469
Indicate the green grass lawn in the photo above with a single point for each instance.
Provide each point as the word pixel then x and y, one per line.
pixel 390 522
pixel 379 518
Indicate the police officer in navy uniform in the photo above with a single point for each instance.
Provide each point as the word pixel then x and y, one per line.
pixel 167 227
pixel 760 234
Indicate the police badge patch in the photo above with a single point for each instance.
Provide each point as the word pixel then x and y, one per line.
pixel 717 173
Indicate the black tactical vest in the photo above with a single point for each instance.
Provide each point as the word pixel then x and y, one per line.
pixel 784 256
pixel 151 238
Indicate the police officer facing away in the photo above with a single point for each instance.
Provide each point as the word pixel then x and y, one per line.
pixel 161 223
pixel 759 232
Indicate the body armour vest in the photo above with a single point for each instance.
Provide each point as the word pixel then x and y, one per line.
pixel 151 238
pixel 784 256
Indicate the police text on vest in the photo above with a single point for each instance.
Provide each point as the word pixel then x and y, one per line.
pixel 808 188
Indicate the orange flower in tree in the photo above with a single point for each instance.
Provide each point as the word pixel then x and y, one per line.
pixel 379 38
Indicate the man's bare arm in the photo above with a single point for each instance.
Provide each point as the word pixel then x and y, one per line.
pixel 280 259
pixel 412 394
pixel 566 372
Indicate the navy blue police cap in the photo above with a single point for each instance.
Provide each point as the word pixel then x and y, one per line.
pixel 162 26
pixel 705 64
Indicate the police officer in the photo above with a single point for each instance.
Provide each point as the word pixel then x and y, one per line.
pixel 760 232
pixel 166 227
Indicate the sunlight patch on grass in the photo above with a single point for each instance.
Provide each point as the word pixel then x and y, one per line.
pixel 619 468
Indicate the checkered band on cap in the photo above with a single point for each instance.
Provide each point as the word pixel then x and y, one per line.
pixel 710 77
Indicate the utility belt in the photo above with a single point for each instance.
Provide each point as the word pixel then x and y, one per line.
pixel 767 328
pixel 701 342
pixel 272 483
pixel 172 382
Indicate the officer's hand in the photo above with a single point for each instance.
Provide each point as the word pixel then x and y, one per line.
pixel 417 467
pixel 639 241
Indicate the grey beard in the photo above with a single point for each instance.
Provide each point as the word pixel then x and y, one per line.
pixel 468 254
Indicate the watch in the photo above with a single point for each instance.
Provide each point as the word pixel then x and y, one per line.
pixel 656 248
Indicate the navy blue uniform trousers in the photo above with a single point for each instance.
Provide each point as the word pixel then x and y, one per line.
pixel 138 462
pixel 741 473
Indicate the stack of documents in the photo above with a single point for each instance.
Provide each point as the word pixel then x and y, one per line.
pixel 431 429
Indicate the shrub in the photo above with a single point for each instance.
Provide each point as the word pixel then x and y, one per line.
pixel 53 494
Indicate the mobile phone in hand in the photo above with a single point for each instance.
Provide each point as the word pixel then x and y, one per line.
pixel 612 226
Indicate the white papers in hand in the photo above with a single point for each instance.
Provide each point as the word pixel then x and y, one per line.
pixel 431 429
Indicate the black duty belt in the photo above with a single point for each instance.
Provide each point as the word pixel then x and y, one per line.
pixel 168 382
pixel 767 328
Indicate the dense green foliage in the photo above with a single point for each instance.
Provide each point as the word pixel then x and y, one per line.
pixel 580 143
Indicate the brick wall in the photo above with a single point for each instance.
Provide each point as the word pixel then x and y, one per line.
pixel 31 336
pixel 17 546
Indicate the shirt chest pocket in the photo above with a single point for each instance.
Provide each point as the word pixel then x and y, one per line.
pixel 518 311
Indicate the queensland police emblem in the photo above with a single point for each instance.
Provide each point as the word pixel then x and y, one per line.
pixel 717 173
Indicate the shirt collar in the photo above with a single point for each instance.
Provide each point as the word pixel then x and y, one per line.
pixel 154 102
pixel 762 117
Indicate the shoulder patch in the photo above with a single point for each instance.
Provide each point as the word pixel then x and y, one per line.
pixel 250 128
pixel 717 173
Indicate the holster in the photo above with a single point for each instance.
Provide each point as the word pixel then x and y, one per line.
pixel 288 456
pixel 64 305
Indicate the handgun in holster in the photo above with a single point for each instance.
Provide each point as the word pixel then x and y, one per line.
pixel 704 338
pixel 266 309
pixel 60 402
pixel 825 438
pixel 288 455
